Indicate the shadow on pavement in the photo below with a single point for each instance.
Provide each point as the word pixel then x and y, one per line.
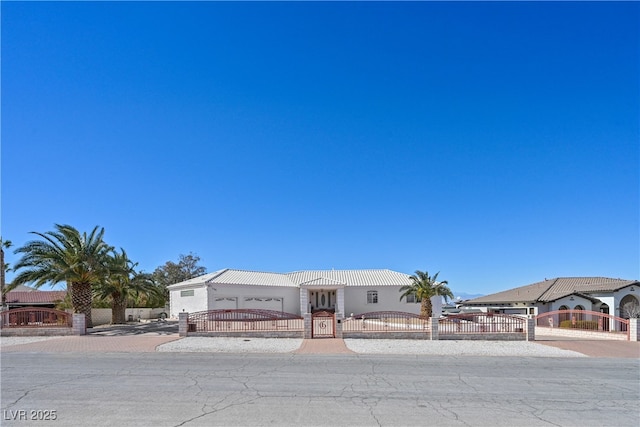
pixel 168 327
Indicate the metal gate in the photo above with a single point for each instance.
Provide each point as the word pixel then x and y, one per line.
pixel 323 324
pixel 582 323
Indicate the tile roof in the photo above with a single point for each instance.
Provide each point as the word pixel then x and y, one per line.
pixel 353 277
pixel 256 278
pixel 553 289
pixel 35 297
pixel 564 286
pixel 528 293
pixel 305 277
pixel 196 280
pixel 323 281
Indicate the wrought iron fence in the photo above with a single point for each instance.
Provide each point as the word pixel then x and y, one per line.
pixel 584 320
pixel 386 321
pixel 244 320
pixel 35 317
pixel 482 323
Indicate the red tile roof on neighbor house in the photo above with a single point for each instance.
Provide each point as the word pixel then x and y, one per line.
pixel 35 297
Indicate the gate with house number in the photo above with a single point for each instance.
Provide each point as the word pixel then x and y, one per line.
pixel 323 324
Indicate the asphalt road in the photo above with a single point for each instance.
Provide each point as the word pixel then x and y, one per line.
pixel 200 389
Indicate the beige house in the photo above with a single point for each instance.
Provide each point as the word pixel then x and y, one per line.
pixel 341 291
pixel 602 294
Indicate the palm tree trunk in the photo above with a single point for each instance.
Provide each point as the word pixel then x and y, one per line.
pixel 425 307
pixel 81 298
pixel 118 309
pixel 2 276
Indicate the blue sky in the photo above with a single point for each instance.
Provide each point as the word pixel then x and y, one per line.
pixel 497 143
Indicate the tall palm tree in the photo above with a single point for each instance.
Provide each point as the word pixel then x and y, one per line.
pixel 123 283
pixel 4 244
pixel 424 287
pixel 66 255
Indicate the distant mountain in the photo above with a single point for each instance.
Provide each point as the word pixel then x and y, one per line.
pixel 465 296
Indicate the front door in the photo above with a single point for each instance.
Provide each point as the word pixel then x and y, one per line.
pixel 323 300
pixel 323 325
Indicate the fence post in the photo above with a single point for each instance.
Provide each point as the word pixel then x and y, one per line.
pixel 307 325
pixel 634 331
pixel 339 318
pixel 531 328
pixel 79 324
pixel 434 328
pixel 183 320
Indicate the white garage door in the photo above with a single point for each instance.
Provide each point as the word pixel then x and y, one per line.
pixel 225 303
pixel 264 303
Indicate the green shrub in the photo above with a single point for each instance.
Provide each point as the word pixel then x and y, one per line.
pixel 580 324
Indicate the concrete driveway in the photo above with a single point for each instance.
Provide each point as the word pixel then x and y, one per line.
pixel 169 327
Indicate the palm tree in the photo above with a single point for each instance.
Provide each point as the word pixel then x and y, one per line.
pixel 4 244
pixel 151 295
pixel 68 256
pixel 123 284
pixel 424 287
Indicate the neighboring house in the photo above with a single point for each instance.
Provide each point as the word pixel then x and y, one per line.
pixel 34 298
pixel 601 294
pixel 343 291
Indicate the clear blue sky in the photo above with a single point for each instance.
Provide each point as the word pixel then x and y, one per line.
pixel 497 143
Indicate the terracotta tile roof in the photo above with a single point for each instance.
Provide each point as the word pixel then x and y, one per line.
pixel 35 297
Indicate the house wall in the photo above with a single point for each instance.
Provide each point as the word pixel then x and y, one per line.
pixel 102 316
pixel 511 308
pixel 620 294
pixel 188 304
pixel 577 300
pixel 355 300
pixel 244 296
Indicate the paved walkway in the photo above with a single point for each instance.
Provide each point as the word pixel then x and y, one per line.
pixel 323 346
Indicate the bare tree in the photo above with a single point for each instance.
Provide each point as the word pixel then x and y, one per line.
pixel 631 310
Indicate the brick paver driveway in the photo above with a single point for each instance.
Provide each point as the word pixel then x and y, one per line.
pixel 129 338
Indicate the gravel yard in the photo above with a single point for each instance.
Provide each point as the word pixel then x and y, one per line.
pixel 458 348
pixel 233 345
pixel 365 346
pixel 7 341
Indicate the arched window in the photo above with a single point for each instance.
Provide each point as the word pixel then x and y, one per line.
pixel 579 316
pixel 629 307
pixel 563 316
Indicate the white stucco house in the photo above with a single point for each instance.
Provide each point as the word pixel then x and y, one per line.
pixel 600 294
pixel 343 291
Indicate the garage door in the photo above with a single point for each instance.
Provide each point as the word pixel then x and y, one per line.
pixel 225 303
pixel 264 303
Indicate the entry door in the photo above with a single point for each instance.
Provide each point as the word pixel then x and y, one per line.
pixel 324 300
